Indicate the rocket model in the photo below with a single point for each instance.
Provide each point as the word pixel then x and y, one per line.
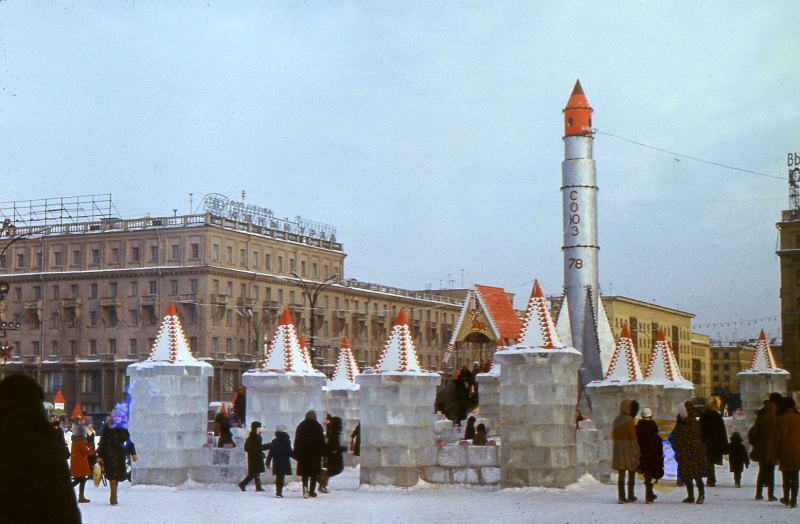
pixel 579 200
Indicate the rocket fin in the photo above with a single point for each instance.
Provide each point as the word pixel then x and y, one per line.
pixel 563 325
pixel 605 336
pixel 592 366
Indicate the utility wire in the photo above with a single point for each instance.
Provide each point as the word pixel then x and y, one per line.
pixel 689 157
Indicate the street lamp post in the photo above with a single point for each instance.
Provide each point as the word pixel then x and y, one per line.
pixel 312 290
pixel 5 349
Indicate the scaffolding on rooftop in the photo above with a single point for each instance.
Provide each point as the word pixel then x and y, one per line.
pixel 59 211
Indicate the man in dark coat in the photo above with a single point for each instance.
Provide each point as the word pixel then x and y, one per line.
pixel 309 448
pixel 35 485
pixel 255 448
pixel 651 449
pixel 280 454
pixel 712 428
pixel 763 438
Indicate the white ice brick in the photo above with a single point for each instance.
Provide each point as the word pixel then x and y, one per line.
pixel 465 476
pixel 490 476
pixel 452 456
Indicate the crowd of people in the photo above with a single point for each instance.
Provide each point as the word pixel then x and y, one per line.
pixel 318 451
pixel 700 442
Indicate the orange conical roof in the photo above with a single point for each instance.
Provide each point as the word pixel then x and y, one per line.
pixel 577 114
pixel 59 398
pixel 285 353
pixel 763 359
pixel 399 353
pixel 76 413
pixel 170 345
pixel 538 329
pixel 346 368
pixel 624 365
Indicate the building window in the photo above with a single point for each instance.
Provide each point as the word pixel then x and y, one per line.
pixel 37 292
pixel 268 262
pixel 243 290
pixel 54 321
pixel 255 259
pixel 112 289
pixel 53 381
pixel 112 317
pixel 229 254
pixel 303 267
pixel 280 296
pixel 57 260
pixel 230 289
pixel 153 253
pixel 133 317
pixel 38 259
pixel 255 292
pixel 93 318
pixel 215 286
pixel 229 318
pixel 73 347
pixel 291 297
pixel 95 257
pixel 135 254
pixel 92 290
pixel 35 348
pixel 195 250
pixel 176 252
pixel 314 269
pixel 153 287
pixel 91 381
pixel 93 347
pixel 193 285
pixel 193 344
pixel 292 266
pixel 76 258
pixel 134 289
pixel 242 257
pixel 268 294
pixel 215 345
pixel 193 314
pixel 241 346
pixel 54 347
pixel 215 252
pixel 151 342
pixel 112 346
pixel 133 346
pixel 2 261
pixel 115 255
pixel 228 346
pixel 280 264
pixel 20 260
pixel 173 287
pixel 56 292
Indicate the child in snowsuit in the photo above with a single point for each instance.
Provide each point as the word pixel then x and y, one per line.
pixel 737 456
pixel 280 453
pixel 254 448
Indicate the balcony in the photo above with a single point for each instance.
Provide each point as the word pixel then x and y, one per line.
pixel 70 303
pixel 148 300
pixel 114 302
pixel 34 305
pixel 271 305
pixel 219 300
pixel 189 298
pixel 245 302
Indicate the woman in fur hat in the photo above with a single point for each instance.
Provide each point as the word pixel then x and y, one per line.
pixel 79 466
pixel 690 453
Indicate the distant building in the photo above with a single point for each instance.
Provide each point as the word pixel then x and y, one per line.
pixel 726 361
pixel 90 294
pixel 789 254
pixel 644 320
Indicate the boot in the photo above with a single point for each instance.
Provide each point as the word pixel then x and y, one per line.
pixel 112 485
pixel 621 490
pixel 701 491
pixel 631 481
pixel 690 492
pixel 649 496
pixel 258 484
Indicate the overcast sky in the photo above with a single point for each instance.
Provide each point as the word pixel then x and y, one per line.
pixel 429 133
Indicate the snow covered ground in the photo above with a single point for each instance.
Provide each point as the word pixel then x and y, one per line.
pixel 585 502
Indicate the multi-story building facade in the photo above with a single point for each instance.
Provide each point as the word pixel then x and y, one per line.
pixel 644 321
pixel 726 361
pixel 90 296
pixel 789 254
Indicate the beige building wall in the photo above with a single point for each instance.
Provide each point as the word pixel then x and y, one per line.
pixel 726 362
pixel 90 299
pixel 789 253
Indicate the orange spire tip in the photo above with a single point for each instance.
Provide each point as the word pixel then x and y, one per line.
pixel 762 336
pixel 537 290
pixel 577 90
pixel 286 318
pixel 626 332
pixel 661 336
pixel 171 312
pixel 345 343
pixel 401 318
pixel 302 341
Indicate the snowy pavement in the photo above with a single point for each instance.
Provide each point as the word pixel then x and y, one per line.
pixel 588 501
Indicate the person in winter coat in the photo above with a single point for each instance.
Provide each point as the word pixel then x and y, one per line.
pixel 114 449
pixel 651 457
pixel 714 435
pixel 34 477
pixel 625 450
pixel 789 450
pixel 79 466
pixel 222 427
pixel 355 440
pixel 91 437
pixel 280 454
pixel 763 439
pixel 334 458
pixel 480 435
pixel 737 458
pixel 255 449
pixel 469 432
pixel 309 448
pixel 690 453
pixel 240 407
